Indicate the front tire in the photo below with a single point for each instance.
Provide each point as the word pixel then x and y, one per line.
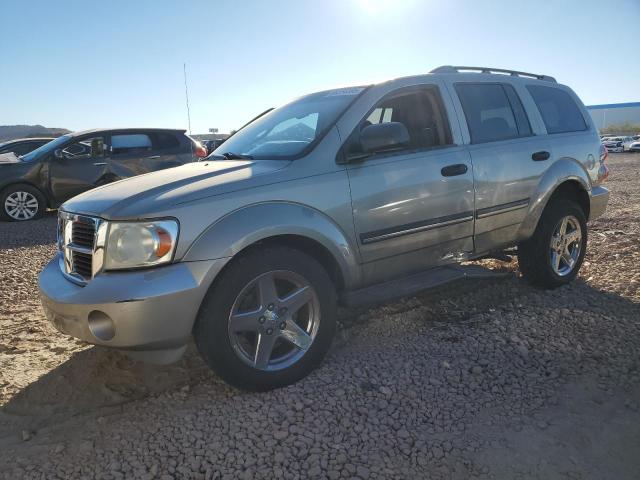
pixel 21 202
pixel 553 255
pixel 268 320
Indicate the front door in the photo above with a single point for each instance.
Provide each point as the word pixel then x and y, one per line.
pixel 80 166
pixel 412 208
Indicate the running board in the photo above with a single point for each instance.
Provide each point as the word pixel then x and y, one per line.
pixel 415 283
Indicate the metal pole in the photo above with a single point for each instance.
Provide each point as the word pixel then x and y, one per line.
pixel 186 94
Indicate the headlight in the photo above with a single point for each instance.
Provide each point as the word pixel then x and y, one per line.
pixel 144 244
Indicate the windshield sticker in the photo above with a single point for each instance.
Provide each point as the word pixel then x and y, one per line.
pixel 345 91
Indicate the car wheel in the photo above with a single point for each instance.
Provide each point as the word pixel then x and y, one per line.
pixel 21 202
pixel 268 320
pixel 554 254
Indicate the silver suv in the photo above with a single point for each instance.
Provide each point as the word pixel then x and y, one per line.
pixel 353 195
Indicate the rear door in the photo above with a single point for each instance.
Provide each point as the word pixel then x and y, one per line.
pixel 170 149
pixel 412 208
pixel 130 153
pixel 134 153
pixel 509 154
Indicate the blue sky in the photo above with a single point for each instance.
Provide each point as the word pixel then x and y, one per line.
pixel 84 64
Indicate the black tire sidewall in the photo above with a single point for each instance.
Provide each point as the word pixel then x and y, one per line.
pixel 211 327
pixel 20 187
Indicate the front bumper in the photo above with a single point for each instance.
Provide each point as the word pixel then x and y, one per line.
pixel 599 200
pixel 146 311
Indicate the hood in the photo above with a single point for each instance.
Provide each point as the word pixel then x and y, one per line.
pixel 152 193
pixel 9 158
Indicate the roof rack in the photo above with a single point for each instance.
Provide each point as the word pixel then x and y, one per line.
pixel 514 73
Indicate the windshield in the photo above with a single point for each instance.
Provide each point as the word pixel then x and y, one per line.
pixel 46 148
pixel 287 131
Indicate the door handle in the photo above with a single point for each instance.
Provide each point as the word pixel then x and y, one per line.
pixel 99 164
pixel 154 157
pixel 540 156
pixel 453 170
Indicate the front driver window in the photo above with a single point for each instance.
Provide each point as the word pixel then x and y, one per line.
pixel 420 110
pixel 92 147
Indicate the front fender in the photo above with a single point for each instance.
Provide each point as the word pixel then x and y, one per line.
pixel 253 223
pixel 563 170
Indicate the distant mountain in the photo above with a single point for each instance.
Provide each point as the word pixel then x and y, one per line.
pixel 9 132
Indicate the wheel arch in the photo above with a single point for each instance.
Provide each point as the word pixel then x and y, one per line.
pixel 283 223
pixel 566 177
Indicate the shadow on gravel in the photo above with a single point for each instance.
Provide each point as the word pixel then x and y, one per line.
pixel 502 344
pixel 28 234
pixel 98 378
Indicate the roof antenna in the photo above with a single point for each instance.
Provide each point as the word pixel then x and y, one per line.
pixel 186 94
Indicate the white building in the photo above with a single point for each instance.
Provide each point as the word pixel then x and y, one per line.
pixel 615 114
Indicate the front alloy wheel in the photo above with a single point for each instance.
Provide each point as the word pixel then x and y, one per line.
pixel 274 320
pixel 268 319
pixel 21 206
pixel 21 202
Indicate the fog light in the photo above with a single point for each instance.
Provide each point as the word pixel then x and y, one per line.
pixel 101 325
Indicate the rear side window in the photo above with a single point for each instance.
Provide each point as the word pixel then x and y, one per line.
pixel 493 112
pixel 24 148
pixel 164 140
pixel 130 143
pixel 559 111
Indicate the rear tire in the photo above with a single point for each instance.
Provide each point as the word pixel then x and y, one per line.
pixel 250 304
pixel 21 202
pixel 552 256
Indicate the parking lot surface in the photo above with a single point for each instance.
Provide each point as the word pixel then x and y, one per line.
pixel 474 380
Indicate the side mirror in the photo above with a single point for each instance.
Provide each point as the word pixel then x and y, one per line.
pixel 384 136
pixel 58 153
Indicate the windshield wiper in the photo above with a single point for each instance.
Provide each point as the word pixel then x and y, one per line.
pixel 236 156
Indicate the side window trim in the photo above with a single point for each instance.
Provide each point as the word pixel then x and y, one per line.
pixel 523 123
pixel 409 150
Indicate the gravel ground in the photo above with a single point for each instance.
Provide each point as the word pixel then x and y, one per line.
pixel 475 380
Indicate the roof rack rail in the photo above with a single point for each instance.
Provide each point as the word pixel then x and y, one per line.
pixel 514 73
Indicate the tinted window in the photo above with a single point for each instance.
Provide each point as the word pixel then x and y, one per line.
pixel 164 140
pixel 130 143
pixel 420 111
pixel 558 110
pixel 23 148
pixel 489 113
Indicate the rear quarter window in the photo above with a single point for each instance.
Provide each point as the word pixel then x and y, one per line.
pixel 559 111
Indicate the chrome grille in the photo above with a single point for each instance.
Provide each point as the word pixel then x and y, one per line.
pixel 81 241
pixel 83 234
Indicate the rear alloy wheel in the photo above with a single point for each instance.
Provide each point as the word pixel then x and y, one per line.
pixel 268 320
pixel 21 203
pixel 566 245
pixel 554 254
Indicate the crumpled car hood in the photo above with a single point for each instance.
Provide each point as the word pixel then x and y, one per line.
pixel 144 195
